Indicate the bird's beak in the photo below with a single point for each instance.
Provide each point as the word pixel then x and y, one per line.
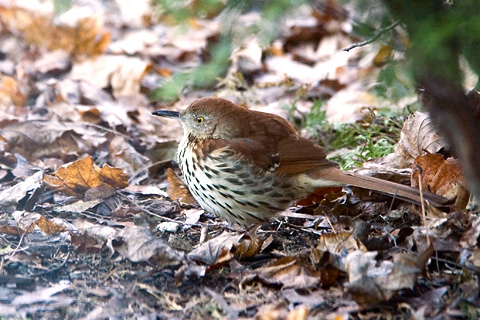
pixel 167 114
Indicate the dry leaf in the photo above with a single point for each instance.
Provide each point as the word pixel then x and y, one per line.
pixel 223 248
pixel 177 190
pixel 134 13
pixel 353 100
pixel 337 242
pixel 11 92
pixel 248 247
pixel 38 139
pixel 26 221
pixel 443 177
pixel 371 282
pixel 48 295
pixel 139 244
pixel 10 197
pixel 79 177
pixel 248 58
pixel 78 31
pixel 290 272
pixel 317 196
pixel 49 227
pixel 123 74
pixel 114 177
pixel 122 154
pixel 216 251
pixel 418 136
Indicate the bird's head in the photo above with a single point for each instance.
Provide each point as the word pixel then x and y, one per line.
pixel 206 118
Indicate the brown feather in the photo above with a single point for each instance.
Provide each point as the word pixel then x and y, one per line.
pixel 298 155
pixel 244 150
pixel 384 186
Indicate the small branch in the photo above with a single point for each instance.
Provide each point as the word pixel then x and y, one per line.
pixel 375 37
pixel 424 215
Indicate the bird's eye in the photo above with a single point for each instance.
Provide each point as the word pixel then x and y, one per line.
pixel 199 120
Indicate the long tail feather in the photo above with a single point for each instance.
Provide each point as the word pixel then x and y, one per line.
pixel 384 186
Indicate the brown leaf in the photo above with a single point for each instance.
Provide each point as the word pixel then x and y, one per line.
pixel 79 177
pixel 248 247
pixel 177 190
pixel 418 137
pixel 78 31
pixel 26 221
pixel 6 229
pixel 139 244
pixel 337 242
pixel 443 177
pixel 371 282
pixel 103 191
pixel 49 227
pixel 123 154
pixel 38 139
pixel 290 272
pixel 123 74
pixel 114 177
pixel 220 250
pixel 29 189
pixel 11 92
pixel 216 251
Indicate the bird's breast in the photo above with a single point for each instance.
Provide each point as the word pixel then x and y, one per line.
pixel 232 188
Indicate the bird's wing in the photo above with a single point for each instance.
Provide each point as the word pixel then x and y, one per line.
pixel 289 156
pixel 298 155
pixel 243 150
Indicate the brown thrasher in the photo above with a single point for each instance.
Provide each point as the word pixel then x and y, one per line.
pixel 245 166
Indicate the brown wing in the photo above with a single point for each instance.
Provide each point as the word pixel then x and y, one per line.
pixel 243 150
pixel 289 156
pixel 299 155
pixel 267 140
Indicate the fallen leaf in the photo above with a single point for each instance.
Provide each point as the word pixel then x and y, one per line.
pixel 418 137
pixel 177 190
pixel 78 31
pixel 443 177
pixel 49 227
pixel 337 243
pixel 123 155
pixel 122 73
pixel 290 272
pixel 39 139
pixel 217 251
pixel 81 176
pixel 28 189
pixel 11 92
pixel 139 244
pixel 371 282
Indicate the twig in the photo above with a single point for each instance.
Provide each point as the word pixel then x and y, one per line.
pixel 330 223
pixel 422 202
pixel 375 37
pixel 20 241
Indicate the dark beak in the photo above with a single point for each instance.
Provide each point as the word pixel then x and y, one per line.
pixel 166 114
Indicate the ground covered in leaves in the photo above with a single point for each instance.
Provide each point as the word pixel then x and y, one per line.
pixel 95 222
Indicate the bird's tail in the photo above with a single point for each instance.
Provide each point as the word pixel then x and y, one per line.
pixel 384 186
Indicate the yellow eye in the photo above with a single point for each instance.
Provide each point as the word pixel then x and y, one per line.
pixel 199 120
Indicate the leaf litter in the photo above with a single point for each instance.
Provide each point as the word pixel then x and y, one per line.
pixel 96 223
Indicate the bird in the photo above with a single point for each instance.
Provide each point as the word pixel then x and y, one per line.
pixel 246 166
